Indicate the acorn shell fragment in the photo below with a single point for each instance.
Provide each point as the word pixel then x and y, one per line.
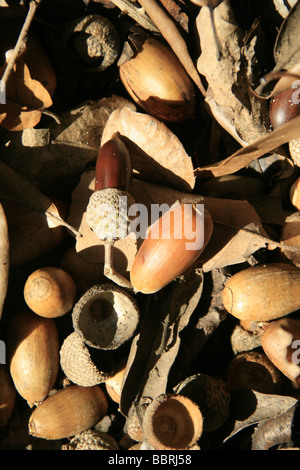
pixel 172 422
pixel 68 412
pixel 263 292
pixel 105 317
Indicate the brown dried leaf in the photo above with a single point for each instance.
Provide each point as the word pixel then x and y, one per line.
pixel 157 153
pixel 239 112
pixel 25 98
pixel 4 258
pixel 34 222
pixel 249 153
pixel 287 50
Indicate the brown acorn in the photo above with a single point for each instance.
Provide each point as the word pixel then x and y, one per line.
pixel 33 349
pixel 172 422
pixel 105 317
pixel 263 292
pixel 7 395
pixel 68 412
pixel 211 396
pixel 50 292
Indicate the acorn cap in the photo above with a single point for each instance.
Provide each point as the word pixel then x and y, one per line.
pixel 105 317
pixel 91 440
pixel 212 397
pixel 76 362
pixel 294 148
pixel 172 422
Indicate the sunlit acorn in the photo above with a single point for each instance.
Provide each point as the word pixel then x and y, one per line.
pixel 211 396
pixel 294 193
pixel 68 412
pixel 33 350
pixel 173 244
pixel 83 365
pixel 172 422
pixel 263 292
pixel 157 81
pixel 253 370
pixel 280 340
pixel 105 317
pixel 7 395
pixel 50 292
pixel 91 440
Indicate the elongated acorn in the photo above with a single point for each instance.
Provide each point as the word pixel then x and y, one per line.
pixel 172 422
pixel 68 412
pixel 33 347
pixel 280 340
pixel 157 81
pixel 263 292
pixel 173 244
pixel 50 292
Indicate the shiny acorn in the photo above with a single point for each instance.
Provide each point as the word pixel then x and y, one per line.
pixel 263 292
pixel 173 244
pixel 156 80
pixel 67 412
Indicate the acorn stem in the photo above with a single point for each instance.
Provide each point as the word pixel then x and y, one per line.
pixel 109 270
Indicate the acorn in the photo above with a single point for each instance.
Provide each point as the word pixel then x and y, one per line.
pixel 263 292
pixel 108 206
pixel 50 292
pixel 33 350
pixel 113 384
pixel 294 193
pixel 81 365
pixel 7 396
pixel 253 370
pixel 91 440
pixel 211 396
pixel 280 340
pixel 172 422
pixel 105 317
pixel 68 412
pixel 172 246
pixel 156 80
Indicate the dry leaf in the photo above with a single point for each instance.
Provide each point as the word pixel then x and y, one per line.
pixel 287 47
pixel 239 112
pixel 34 223
pixel 4 258
pixel 246 155
pixel 157 153
pixel 25 98
pixel 64 149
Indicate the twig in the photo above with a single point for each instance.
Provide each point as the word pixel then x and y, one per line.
pixel 172 35
pixel 137 14
pixel 21 40
pixel 109 270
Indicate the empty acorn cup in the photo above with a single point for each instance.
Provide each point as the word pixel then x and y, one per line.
pixel 172 422
pixel 82 365
pixel 105 317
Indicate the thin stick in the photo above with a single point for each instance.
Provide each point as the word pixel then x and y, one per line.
pixel 21 39
pixel 109 270
pixel 172 35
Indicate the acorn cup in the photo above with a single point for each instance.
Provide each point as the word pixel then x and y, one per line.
pixel 33 351
pixel 91 440
pixel 211 396
pixel 81 365
pixel 105 317
pixel 172 422
pixel 263 292
pixel 173 245
pixel 68 412
pixel 280 340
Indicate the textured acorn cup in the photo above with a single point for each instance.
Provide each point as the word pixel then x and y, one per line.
pixel 156 80
pixel 253 370
pixel 172 422
pixel 50 292
pixel 105 317
pixel 211 396
pixel 280 341
pixel 33 350
pixel 263 292
pixel 68 412
pixel 171 248
pixel 91 440
pixel 77 364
